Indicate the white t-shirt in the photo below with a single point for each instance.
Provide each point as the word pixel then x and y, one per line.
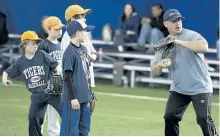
pixel 64 43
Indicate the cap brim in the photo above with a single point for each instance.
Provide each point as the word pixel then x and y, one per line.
pixel 36 39
pixel 89 28
pixel 58 26
pixel 86 11
pixel 173 19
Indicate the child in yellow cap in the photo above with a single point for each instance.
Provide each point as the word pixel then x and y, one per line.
pixel 76 96
pixel 35 67
pixel 53 27
pixel 76 12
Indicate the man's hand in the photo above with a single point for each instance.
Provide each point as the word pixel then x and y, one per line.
pixel 157 67
pixel 177 42
pixel 7 83
pixel 165 63
pixel 75 104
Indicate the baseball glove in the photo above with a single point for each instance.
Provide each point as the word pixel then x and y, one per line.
pixel 165 46
pixel 92 103
pixel 55 85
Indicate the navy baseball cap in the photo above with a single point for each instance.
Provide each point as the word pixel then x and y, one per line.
pixel 172 15
pixel 75 26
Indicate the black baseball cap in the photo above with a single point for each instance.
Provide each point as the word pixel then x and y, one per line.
pixel 75 26
pixel 172 15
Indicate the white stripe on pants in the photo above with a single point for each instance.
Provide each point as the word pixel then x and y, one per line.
pixel 53 121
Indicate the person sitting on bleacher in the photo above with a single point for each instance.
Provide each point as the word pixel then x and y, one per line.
pixel 129 28
pixel 3 29
pixel 129 23
pixel 152 29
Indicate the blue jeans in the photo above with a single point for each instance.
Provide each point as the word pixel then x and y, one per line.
pixel 75 122
pixel 149 34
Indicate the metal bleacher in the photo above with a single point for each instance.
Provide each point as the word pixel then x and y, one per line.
pixel 138 63
pixel 137 67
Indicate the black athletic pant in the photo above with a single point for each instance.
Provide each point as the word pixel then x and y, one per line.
pixel 176 106
pixel 37 111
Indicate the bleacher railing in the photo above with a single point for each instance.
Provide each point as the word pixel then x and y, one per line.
pixel 132 68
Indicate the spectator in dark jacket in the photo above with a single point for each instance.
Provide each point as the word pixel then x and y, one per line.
pixel 152 28
pixel 129 24
pixel 3 29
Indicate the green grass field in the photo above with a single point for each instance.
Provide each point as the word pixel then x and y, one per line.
pixel 112 116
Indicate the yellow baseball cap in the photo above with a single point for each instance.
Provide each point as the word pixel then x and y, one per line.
pixel 75 10
pixel 52 22
pixel 29 35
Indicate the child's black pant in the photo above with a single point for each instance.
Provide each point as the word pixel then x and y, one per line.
pixel 37 111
